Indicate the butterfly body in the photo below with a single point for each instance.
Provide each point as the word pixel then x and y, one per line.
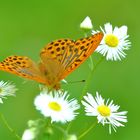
pixel 58 59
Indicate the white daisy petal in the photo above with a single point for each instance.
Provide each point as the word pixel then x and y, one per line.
pixel 116 31
pixel 123 31
pixel 107 113
pixel 108 28
pixel 99 99
pixel 91 100
pixel 102 30
pixel 56 106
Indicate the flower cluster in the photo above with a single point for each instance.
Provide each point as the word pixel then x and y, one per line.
pixel 56 105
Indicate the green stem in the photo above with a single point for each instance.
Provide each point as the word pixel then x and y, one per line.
pixel 87 131
pixel 90 78
pixel 91 63
pixel 8 126
pixel 61 130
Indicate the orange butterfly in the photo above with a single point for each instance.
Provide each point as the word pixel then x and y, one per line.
pixel 58 59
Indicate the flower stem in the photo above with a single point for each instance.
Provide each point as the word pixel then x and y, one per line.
pixel 87 131
pixel 61 130
pixel 90 78
pixel 91 63
pixel 8 126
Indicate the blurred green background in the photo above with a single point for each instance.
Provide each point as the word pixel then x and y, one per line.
pixel 26 26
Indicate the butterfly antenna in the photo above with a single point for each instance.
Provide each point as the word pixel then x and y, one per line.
pixel 72 82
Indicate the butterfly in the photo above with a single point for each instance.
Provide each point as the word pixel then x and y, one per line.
pixel 58 59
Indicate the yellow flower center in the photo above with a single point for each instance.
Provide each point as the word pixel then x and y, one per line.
pixel 104 110
pixel 111 40
pixel 54 106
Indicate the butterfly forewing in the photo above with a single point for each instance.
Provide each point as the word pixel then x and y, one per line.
pixel 22 66
pixel 81 50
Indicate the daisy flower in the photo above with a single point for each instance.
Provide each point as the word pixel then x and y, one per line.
pixel 56 106
pixel 114 42
pixel 107 113
pixel 86 24
pixel 6 89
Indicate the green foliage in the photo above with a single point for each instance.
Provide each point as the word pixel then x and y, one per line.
pixel 26 26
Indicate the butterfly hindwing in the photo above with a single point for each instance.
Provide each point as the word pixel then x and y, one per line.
pixel 22 66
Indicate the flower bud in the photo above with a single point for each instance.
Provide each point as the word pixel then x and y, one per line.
pixel 86 24
pixel 71 137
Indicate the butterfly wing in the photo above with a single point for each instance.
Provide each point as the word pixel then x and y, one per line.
pixel 81 50
pixel 53 56
pixel 63 56
pixel 22 66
